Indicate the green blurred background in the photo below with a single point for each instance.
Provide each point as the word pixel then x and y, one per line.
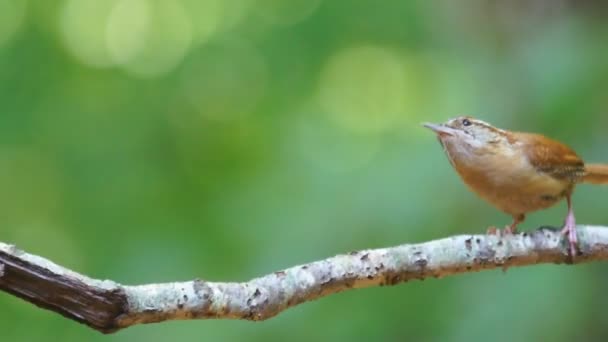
pixel 150 141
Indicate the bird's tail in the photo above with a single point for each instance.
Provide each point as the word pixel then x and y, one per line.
pixel 596 174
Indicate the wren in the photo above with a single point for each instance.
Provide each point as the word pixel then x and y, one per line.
pixel 516 172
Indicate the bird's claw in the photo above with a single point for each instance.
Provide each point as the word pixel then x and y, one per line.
pixel 492 230
pixel 508 230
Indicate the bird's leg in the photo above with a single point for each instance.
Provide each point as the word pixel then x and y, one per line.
pixel 512 228
pixel 570 227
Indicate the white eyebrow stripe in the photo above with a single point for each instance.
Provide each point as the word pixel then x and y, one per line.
pixel 488 126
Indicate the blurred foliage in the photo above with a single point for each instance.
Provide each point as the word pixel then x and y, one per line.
pixel 151 140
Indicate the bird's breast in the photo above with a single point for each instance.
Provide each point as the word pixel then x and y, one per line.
pixel 508 181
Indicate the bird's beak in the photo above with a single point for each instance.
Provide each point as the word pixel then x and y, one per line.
pixel 439 128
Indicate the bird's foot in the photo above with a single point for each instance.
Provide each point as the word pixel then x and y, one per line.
pixel 492 230
pixel 509 230
pixel 570 231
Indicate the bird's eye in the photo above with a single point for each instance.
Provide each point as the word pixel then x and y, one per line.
pixel 466 122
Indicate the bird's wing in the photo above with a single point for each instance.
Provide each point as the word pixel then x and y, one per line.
pixel 552 157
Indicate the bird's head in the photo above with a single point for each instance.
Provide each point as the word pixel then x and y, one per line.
pixel 467 131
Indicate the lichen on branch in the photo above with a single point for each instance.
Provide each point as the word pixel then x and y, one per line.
pixel 108 306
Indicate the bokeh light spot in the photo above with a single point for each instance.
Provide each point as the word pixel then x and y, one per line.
pixel 364 89
pixel 127 29
pixel 169 34
pixel 209 16
pixel 83 26
pixel 284 13
pixel 12 13
pixel 233 13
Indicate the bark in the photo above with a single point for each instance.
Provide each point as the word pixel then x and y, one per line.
pixel 108 306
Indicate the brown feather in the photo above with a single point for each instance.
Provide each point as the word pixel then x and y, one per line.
pixel 596 174
pixel 552 157
pixel 516 172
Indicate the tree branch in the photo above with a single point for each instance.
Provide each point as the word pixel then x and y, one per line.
pixel 107 306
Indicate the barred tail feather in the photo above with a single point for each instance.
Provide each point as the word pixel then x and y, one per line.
pixel 596 174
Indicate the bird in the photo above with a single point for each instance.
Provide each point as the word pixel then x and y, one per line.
pixel 516 172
